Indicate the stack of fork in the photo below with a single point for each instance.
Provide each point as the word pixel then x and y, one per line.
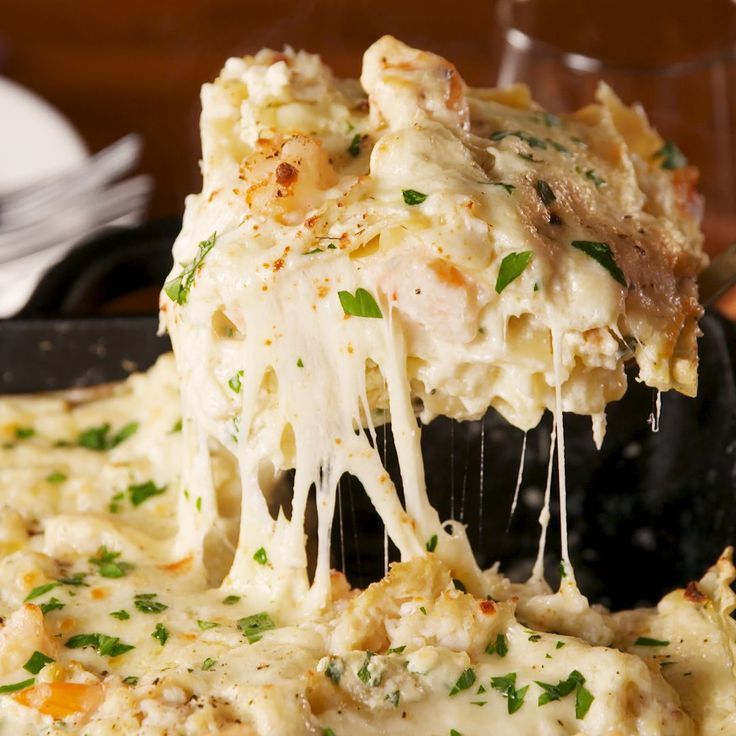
pixel 41 222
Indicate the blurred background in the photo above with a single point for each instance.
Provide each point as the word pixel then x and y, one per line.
pixel 650 511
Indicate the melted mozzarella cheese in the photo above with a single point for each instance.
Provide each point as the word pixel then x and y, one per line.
pixel 344 266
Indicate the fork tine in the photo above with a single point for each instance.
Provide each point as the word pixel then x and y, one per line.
pixel 22 205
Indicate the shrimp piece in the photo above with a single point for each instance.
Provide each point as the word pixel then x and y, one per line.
pixel 23 634
pixel 287 178
pixel 405 85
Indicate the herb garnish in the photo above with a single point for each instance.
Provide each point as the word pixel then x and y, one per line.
pixel 208 664
pixel 559 645
pixel 583 700
pixel 39 590
pixel 204 625
pixel 529 157
pixel 107 564
pixel 506 685
pixel 550 120
pixel 512 266
pixel 561 689
pixel 396 650
pixel 36 662
pixel 431 543
pixel 672 157
pixel 55 477
pixel 177 289
pixel 75 579
pixel 563 570
pixel 334 670
pixel 508 187
pixel 106 646
pixel 545 192
pixel 120 615
pixel 328 732
pixel 466 680
pixel 260 556
pixel 254 626
pixel 143 491
pixel 176 427
pixel 645 641
pixel 235 382
pixel 299 363
pixel 601 252
pixel 500 646
pixel 231 600
pixel 146 603
pixel 354 147
pixel 161 634
pixel 412 196
pixel 23 433
pixel 130 680
pixel 597 180
pixel 361 304
pixel 364 674
pixel 98 439
pixel 394 698
pixel 15 686
pixel 53 604
pixel 535 638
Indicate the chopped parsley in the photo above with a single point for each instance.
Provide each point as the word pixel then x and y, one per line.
pixel 120 615
pixel 141 492
pixel 646 641
pixel 254 626
pixel 506 685
pixel 601 252
pixel 500 646
pixel 364 673
pixel 394 698
pixel 15 686
pixel 529 157
pixel 508 187
pixel 176 427
pixel 465 681
pixel 354 147
pixel 561 689
pixel 423 610
pixel 535 638
pixel 76 579
pixel 106 646
pixel 583 700
pixel 56 477
pixel 36 662
pixel 231 600
pixel 108 565
pixel 454 732
pixel 235 382
pixel 198 503
pixel 39 590
pixel 396 650
pixel 512 266
pixel 23 433
pixel 146 603
pixel 177 289
pixel 130 680
pixel 412 196
pixel 160 634
pixel 328 732
pixel 558 146
pixel 563 570
pixel 260 556
pixel 208 664
pixel 597 180
pixel 559 645
pixel 550 120
pixel 432 543
pixel 299 363
pixel 204 625
pixel 545 193
pixel 53 604
pixel 99 439
pixel 360 304
pixel 334 670
pixel 672 157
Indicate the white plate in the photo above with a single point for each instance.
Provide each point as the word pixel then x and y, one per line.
pixel 35 139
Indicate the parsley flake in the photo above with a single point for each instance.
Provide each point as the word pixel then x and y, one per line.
pixel 15 686
pixel 130 680
pixel 235 382
pixel 506 685
pixel 583 700
pixel 354 147
pixel 500 646
pixel 508 187
pixel 412 196
pixel 254 626
pixel 204 625
pixel 106 646
pixel 36 662
pixel 56 477
pixel 466 680
pixel 597 180
pixel 545 193
pixel 39 590
pixel 646 641
pixel 208 664
pixel 53 604
pixel 98 439
pixel 561 689
pixel 160 634
pixel 364 673
pixel 108 565
pixel 334 669
pixel 672 157
pixel 260 556
pixel 23 433
pixel 512 266
pixel 143 491
pixel 361 304
pixel 146 603
pixel 601 252
pixel 231 600
pixel 432 543
pixel 177 289
pixel 120 615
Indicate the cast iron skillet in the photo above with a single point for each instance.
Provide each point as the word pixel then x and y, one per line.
pixel 647 513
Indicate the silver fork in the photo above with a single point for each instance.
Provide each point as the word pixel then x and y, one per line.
pixel 31 203
pixel 89 213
